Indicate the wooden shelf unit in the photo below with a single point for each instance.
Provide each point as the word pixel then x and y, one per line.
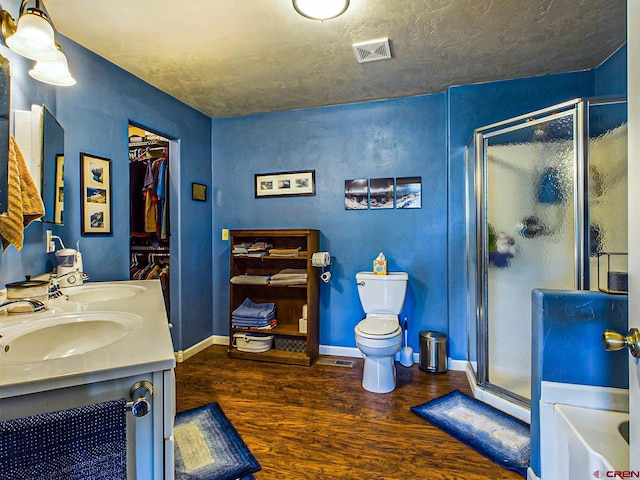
pixel 288 299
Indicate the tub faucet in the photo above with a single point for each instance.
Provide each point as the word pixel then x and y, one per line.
pixel 37 305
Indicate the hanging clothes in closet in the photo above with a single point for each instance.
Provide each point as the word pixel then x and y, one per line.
pixel 149 209
pixel 148 171
pixel 151 266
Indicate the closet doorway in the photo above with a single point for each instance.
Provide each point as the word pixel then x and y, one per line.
pixel 149 208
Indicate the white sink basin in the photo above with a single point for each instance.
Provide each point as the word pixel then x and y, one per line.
pixel 65 335
pixel 102 293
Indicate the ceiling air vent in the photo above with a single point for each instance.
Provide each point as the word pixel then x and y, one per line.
pixel 373 50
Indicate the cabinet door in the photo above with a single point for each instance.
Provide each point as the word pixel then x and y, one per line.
pixel 145 437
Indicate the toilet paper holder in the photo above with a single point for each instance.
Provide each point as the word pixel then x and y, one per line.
pixel 322 260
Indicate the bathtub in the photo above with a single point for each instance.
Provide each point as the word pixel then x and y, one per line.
pixel 584 431
pixel 589 441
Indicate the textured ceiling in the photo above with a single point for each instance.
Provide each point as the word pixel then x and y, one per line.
pixel 238 57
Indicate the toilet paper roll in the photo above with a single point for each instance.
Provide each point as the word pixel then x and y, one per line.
pixel 302 325
pixel 320 259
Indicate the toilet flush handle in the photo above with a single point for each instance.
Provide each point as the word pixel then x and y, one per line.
pixel 360 284
pixel 614 341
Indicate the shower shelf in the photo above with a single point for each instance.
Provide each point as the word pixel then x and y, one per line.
pixel 617 282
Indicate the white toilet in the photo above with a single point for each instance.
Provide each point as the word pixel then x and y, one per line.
pixel 379 334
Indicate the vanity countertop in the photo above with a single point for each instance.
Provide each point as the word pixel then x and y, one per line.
pixel 147 348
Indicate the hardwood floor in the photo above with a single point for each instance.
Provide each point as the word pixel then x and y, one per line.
pixel 318 423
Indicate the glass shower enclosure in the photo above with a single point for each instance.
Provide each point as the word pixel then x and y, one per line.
pixel 546 197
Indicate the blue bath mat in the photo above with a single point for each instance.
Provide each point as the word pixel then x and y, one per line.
pixel 208 447
pixel 492 433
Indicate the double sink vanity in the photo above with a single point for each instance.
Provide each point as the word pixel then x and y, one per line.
pixel 98 342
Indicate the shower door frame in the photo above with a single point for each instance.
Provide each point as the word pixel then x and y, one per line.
pixel 578 109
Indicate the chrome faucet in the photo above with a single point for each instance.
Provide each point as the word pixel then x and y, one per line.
pixel 37 305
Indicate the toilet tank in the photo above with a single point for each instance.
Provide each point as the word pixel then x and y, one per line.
pixel 382 294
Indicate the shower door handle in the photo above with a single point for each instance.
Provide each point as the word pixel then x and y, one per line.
pixel 614 341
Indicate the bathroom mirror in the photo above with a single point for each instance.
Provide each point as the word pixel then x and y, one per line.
pixel 4 132
pixel 52 168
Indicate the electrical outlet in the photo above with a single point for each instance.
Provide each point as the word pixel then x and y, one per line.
pixel 50 246
pixel 225 234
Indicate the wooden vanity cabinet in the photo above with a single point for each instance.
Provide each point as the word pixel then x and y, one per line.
pixel 290 346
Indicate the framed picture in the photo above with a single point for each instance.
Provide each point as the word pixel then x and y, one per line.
pixel 198 192
pixel 408 192
pixel 298 183
pixel 58 203
pixel 381 193
pixel 95 191
pixel 356 194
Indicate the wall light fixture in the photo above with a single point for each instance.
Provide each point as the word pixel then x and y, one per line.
pixel 320 9
pixel 33 37
pixel 53 73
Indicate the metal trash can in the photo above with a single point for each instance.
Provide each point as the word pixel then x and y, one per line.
pixel 433 351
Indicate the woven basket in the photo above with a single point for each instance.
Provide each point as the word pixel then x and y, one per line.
pixel 290 344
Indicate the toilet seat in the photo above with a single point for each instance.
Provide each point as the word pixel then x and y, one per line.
pixel 379 326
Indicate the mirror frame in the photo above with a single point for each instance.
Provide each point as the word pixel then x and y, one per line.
pixel 5 112
pixel 52 144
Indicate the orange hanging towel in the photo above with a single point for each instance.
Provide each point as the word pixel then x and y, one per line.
pixel 25 204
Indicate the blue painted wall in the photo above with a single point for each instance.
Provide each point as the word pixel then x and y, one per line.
pixel 392 138
pixel 611 76
pixel 95 114
pixel 567 346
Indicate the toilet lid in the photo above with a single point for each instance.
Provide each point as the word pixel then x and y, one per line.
pixel 379 325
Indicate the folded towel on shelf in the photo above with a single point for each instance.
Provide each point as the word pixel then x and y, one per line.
pixel 288 281
pixel 82 442
pixel 289 276
pixel 285 252
pixel 270 316
pixel 290 273
pixel 249 321
pixel 247 279
pixel 25 204
pixel 269 326
pixel 248 309
pixel 243 323
pixel 259 245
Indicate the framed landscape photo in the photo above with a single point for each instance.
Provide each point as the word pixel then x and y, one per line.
pixel 95 191
pixel 356 195
pixel 380 193
pixel 409 192
pixel 302 182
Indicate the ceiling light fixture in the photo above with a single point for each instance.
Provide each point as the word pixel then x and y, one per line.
pixel 33 37
pixel 320 9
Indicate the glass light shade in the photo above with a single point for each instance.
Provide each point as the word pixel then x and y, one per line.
pixel 34 37
pixel 320 9
pixel 53 73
